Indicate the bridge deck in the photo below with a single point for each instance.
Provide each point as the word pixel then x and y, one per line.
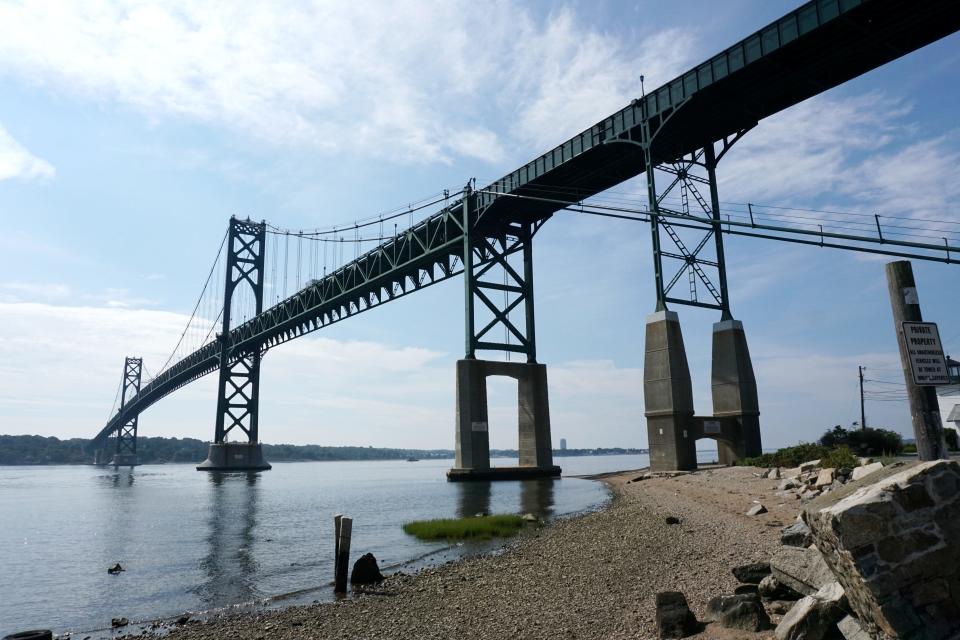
pixel 816 47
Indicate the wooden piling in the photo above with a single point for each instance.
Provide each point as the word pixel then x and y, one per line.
pixel 343 553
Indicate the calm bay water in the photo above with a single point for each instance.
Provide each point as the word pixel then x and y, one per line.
pixel 193 541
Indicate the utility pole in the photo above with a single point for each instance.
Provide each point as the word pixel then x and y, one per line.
pixel 924 409
pixel 863 414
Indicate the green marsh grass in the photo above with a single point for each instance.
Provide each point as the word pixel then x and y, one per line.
pixel 472 528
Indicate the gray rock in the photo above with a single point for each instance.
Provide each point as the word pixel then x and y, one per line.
pixel 851 629
pixel 529 517
pixel 119 622
pixel 787 483
pixel 813 617
pixel 796 535
pixel 802 570
pixel 866 470
pixel 672 520
pixel 825 477
pixel 740 611
pixel 752 573
pixel 756 510
pixel 674 618
pixel 772 589
pixel 365 570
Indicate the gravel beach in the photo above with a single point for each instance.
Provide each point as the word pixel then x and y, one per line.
pixel 591 576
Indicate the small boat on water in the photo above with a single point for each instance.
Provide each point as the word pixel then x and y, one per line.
pixel 413 460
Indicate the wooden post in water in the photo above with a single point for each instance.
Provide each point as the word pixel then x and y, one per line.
pixel 924 408
pixel 343 554
pixel 336 542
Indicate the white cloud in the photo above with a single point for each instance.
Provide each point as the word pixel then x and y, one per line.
pixel 17 162
pixel 414 84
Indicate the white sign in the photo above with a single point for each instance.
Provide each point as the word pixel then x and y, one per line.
pixel 479 426
pixel 925 351
pixel 711 426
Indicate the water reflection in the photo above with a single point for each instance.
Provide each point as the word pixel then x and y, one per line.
pixel 536 497
pixel 118 478
pixel 473 498
pixel 229 565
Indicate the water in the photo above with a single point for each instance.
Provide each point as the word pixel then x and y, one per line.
pixel 193 541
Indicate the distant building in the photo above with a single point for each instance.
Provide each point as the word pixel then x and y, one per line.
pixel 563 444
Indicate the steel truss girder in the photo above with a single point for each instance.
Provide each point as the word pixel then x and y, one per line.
pixel 127 429
pixel 239 384
pixel 427 253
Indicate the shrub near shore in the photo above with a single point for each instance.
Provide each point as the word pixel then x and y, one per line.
pixel 472 528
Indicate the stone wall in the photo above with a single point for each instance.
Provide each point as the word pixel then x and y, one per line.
pixel 894 546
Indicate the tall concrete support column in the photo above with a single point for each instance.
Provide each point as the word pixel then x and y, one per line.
pixel 536 448
pixel 668 396
pixel 473 438
pixel 735 391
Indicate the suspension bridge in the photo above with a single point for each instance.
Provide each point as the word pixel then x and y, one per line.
pixel 278 285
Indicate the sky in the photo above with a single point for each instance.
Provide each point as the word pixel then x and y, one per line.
pixel 131 131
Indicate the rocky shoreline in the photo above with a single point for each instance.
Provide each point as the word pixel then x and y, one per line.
pixel 590 576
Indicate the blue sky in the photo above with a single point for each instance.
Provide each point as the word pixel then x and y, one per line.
pixel 130 132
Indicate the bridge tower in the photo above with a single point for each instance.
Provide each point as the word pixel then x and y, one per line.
pixel 238 390
pixel 485 255
pixel 125 453
pixel 672 427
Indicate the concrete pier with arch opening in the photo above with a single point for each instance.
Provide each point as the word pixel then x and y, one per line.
pixel 472 425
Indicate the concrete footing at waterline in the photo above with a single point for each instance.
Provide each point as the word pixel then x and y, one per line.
pixel 235 456
pixel 503 473
pixel 125 460
pixel 472 437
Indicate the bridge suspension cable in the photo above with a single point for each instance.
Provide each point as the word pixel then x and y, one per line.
pixel 206 303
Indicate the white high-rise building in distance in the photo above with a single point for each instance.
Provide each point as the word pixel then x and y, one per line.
pixel 563 444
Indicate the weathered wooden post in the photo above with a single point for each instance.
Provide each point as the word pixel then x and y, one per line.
pixel 343 553
pixel 336 542
pixel 924 409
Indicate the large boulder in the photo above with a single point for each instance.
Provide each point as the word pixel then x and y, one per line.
pixel 752 573
pixel 813 617
pixel 739 611
pixel 894 545
pixel 674 618
pixel 803 570
pixel 365 570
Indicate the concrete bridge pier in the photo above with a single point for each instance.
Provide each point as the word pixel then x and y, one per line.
pixel 735 391
pixel 668 395
pixel 472 435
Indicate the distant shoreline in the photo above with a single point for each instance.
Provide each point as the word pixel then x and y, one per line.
pixel 27 450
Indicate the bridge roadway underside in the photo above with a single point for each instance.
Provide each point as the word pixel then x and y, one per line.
pixel 812 49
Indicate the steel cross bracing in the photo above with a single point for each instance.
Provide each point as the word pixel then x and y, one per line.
pixel 684 175
pixel 819 45
pixel 127 432
pixel 494 288
pixel 239 385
